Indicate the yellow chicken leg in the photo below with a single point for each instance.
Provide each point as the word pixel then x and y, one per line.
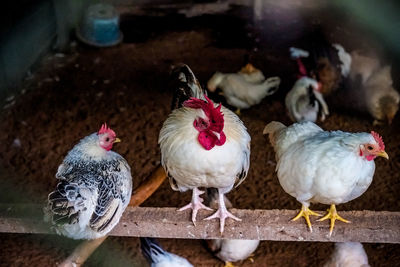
pixel 332 214
pixel 229 264
pixel 237 111
pixel 306 212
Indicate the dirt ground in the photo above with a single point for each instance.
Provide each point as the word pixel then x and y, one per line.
pixel 126 86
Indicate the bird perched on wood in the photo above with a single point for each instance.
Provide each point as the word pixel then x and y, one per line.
pixel 348 254
pixel 94 189
pixel 304 101
pixel 245 88
pixel 204 145
pixel 373 87
pixel 158 257
pixel 229 250
pixel 323 167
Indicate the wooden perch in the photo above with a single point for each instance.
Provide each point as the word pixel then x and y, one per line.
pixel 143 192
pixel 365 226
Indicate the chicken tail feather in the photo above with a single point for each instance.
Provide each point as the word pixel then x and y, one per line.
pixel 272 129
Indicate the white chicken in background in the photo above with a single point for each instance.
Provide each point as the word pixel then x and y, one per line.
pixel 158 257
pixel 348 254
pixel 304 102
pixel 245 88
pixel 94 190
pixel 374 87
pixel 251 74
pixel 204 145
pixel 229 250
pixel 317 166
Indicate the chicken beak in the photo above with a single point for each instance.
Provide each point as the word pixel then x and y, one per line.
pixel 383 154
pixel 117 140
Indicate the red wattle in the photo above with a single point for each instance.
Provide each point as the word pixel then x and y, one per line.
pixel 207 140
pixel 370 157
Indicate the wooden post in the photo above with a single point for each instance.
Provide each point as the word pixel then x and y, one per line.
pixel 366 226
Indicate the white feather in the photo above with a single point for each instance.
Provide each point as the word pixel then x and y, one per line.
pixel 345 59
pixel 297 52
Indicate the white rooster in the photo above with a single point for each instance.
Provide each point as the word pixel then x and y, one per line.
pixel 94 189
pixel 304 101
pixel 323 167
pixel 245 88
pixel 204 145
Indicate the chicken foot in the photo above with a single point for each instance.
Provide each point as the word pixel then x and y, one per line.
pixel 332 214
pixel 306 212
pixel 222 213
pixel 196 204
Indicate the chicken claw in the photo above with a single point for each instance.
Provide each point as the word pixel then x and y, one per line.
pixel 196 204
pixel 306 212
pixel 222 213
pixel 332 214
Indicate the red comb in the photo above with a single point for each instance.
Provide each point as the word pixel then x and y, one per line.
pixel 214 114
pixel 104 129
pixel 378 139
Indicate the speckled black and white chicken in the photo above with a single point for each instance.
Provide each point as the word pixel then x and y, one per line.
pixel 94 189
pixel 203 145
pixel 245 88
pixel 304 102
pixel 158 257
pixel 229 250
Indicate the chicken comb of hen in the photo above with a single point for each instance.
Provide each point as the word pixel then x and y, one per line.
pixel 378 139
pixel 104 129
pixel 214 114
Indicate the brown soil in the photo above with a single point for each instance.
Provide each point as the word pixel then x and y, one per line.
pixel 125 86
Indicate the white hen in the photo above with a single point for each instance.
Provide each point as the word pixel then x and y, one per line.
pixel 304 102
pixel 348 254
pixel 323 167
pixel 204 145
pixel 244 89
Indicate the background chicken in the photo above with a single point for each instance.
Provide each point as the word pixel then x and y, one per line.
pixel 245 88
pixel 348 254
pixel 204 145
pixel 304 102
pixel 372 86
pixel 94 190
pixel 325 62
pixel 158 257
pixel 229 250
pixel 323 167
pixel 251 74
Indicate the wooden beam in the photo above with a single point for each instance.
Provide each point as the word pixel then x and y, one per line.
pixel 365 226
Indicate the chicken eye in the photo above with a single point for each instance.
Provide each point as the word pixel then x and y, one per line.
pixel 107 139
pixel 370 147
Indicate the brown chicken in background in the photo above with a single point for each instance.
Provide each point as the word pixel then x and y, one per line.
pixel 370 83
